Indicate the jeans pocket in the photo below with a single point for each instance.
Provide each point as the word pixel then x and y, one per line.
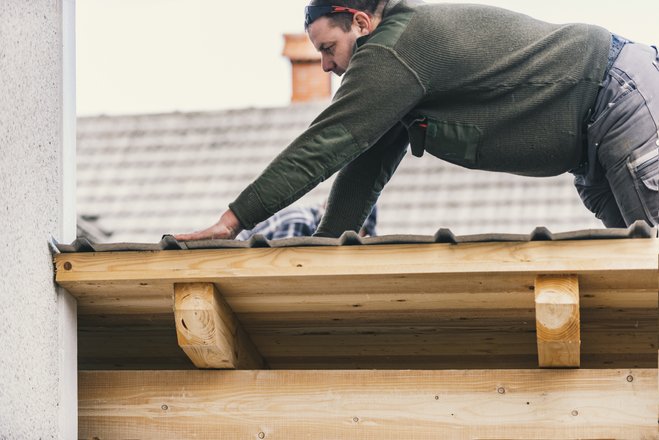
pixel 643 164
pixel 618 87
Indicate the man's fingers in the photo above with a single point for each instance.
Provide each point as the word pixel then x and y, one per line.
pixel 206 234
pixel 187 237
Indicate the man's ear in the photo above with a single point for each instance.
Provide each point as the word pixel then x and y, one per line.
pixel 363 23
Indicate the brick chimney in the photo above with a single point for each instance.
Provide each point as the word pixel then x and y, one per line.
pixel 310 83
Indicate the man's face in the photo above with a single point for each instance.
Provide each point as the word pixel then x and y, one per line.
pixel 334 44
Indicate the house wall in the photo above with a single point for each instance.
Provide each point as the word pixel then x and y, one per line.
pixel 37 340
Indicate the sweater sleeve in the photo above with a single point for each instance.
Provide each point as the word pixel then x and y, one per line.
pixel 378 89
pixel 359 184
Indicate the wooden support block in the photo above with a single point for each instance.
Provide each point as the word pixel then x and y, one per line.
pixel 557 320
pixel 369 405
pixel 208 331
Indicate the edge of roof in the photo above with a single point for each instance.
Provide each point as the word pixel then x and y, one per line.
pixel 638 230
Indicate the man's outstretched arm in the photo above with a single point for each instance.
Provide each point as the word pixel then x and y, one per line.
pixel 359 184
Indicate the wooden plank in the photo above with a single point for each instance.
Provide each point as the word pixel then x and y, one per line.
pixel 147 348
pixel 209 332
pixel 463 362
pixel 123 302
pixel 557 318
pixel 405 339
pixel 632 255
pixel 453 343
pixel 423 292
pixel 133 348
pixel 615 318
pixel 371 405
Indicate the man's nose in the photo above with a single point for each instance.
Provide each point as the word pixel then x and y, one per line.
pixel 327 63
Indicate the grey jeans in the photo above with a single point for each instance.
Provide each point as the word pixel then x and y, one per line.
pixel 623 141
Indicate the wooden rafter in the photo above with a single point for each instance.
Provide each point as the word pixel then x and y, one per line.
pixel 558 320
pixel 208 330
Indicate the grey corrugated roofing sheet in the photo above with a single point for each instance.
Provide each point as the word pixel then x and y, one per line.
pixel 640 229
pixel 143 176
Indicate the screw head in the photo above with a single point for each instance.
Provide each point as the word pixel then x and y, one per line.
pixel 501 390
pixel 355 419
pixel 261 435
pixel 630 378
pixel 68 266
pixel 164 407
pixel 575 413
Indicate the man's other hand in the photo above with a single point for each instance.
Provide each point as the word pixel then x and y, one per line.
pixel 227 227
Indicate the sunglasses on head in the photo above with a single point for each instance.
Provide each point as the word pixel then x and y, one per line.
pixel 313 13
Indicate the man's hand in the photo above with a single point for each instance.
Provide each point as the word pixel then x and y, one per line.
pixel 227 227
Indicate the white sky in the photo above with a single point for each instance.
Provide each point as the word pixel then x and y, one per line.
pixel 154 56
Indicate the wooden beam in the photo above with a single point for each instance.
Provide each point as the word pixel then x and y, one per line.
pixel 557 320
pixel 371 405
pixel 633 256
pixel 482 275
pixel 209 332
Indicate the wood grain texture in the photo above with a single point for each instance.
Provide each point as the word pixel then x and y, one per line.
pixel 371 405
pixel 215 265
pixel 557 319
pixel 208 330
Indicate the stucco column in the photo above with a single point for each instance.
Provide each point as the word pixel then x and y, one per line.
pixel 38 391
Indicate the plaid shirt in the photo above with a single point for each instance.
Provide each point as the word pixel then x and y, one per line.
pixel 298 222
pixel 289 222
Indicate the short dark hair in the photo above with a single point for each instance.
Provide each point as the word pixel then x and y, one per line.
pixel 344 19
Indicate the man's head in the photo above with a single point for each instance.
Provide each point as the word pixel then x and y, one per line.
pixel 334 26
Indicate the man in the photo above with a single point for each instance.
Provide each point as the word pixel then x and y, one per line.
pixel 477 86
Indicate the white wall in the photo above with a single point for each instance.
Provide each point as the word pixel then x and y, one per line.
pixel 37 340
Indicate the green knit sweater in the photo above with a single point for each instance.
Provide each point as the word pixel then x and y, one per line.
pixel 478 86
